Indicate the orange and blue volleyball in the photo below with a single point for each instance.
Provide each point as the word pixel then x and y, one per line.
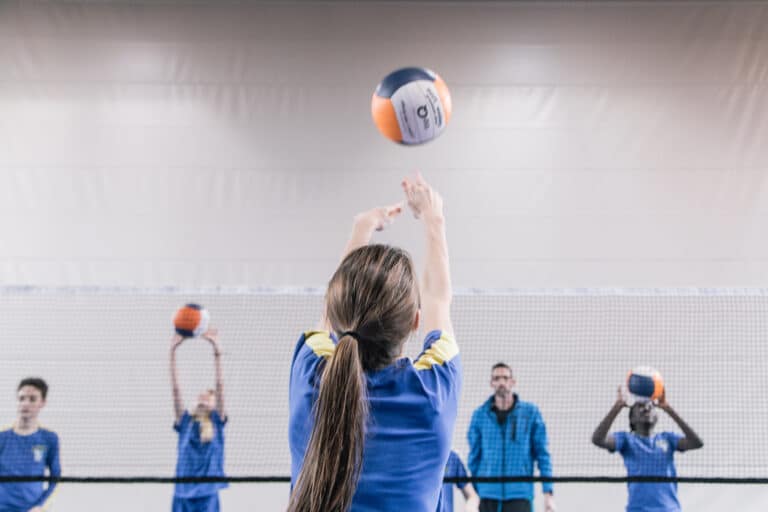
pixel 645 383
pixel 191 320
pixel 411 106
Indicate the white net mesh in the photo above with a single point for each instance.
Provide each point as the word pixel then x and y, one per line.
pixel 104 354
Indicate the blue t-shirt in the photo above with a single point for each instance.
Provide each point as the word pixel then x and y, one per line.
pixel 27 455
pixel 453 469
pixel 410 429
pixel 650 456
pixel 196 458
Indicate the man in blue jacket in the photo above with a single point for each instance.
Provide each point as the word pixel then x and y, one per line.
pixel 505 437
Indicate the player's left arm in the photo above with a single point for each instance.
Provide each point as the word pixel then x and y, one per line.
pixel 212 336
pixel 363 227
pixel 691 441
pixel 54 469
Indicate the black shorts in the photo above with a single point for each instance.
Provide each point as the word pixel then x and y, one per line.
pixel 487 505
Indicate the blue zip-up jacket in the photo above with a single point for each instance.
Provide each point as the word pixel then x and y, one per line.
pixel 509 449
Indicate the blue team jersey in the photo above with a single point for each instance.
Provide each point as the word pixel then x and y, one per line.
pixel 453 469
pixel 196 458
pixel 413 411
pixel 649 456
pixel 27 455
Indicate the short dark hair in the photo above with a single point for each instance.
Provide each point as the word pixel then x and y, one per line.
pixel 501 365
pixel 35 382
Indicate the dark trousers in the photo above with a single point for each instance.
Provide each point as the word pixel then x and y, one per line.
pixel 487 505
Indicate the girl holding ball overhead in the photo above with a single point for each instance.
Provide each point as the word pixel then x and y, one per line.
pixel 369 429
pixel 646 453
pixel 201 436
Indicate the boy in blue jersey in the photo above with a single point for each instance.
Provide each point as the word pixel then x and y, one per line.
pixel 507 436
pixel 646 453
pixel 369 429
pixel 455 469
pixel 28 449
pixel 201 437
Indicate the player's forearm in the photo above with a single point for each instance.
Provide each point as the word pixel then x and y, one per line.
pixel 175 390
pixel 362 232
pixel 219 382
pixel 601 433
pixel 693 439
pixel 46 500
pixel 174 374
pixel 437 276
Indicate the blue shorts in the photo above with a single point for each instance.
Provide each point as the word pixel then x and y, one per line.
pixel 204 504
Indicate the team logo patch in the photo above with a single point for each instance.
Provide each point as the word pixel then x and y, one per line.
pixel 662 444
pixel 38 452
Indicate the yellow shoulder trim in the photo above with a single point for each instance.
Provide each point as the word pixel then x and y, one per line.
pixel 442 350
pixel 320 342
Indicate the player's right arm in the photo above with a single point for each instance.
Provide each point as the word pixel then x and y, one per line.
pixel 178 403
pixel 44 503
pixel 691 441
pixel 436 292
pixel 600 437
pixel 212 336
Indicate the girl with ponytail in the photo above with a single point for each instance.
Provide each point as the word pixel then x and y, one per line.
pixel 371 430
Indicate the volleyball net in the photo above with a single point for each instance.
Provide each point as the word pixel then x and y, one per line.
pixel 105 356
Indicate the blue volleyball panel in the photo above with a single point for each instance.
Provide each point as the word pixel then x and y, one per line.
pixel 641 385
pixel 397 79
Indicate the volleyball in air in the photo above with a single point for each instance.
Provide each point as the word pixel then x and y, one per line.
pixel 645 383
pixel 191 320
pixel 411 106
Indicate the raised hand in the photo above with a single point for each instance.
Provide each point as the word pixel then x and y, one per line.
pixel 620 399
pixel 422 199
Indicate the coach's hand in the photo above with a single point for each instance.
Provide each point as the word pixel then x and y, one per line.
pixel 549 503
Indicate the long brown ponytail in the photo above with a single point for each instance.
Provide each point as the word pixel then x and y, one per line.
pixel 374 294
